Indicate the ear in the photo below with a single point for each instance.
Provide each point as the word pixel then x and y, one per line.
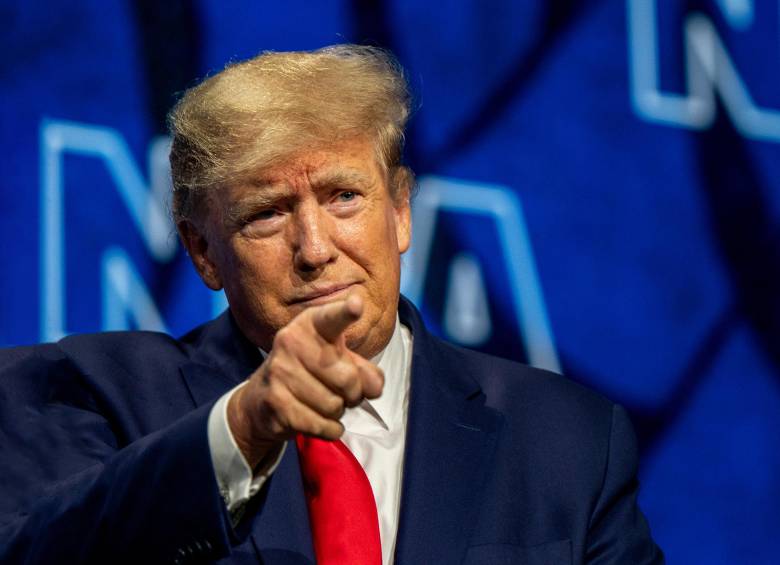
pixel 403 209
pixel 196 242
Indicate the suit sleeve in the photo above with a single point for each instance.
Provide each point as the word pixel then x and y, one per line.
pixel 618 531
pixel 70 494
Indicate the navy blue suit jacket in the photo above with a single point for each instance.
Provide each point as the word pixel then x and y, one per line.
pixel 105 459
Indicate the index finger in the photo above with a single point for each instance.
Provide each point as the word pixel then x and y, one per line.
pixel 331 320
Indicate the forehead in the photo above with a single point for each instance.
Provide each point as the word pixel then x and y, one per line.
pixel 350 161
pixel 348 165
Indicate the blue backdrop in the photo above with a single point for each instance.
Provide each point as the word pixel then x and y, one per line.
pixel 599 195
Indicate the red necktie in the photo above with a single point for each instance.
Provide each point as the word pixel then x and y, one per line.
pixel 342 510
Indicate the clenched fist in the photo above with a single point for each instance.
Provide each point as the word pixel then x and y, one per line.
pixel 305 383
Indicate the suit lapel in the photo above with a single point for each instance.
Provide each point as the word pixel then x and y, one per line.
pixel 449 447
pixel 222 358
pixel 281 532
pixel 205 383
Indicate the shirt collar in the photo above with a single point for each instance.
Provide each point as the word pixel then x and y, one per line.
pixel 387 409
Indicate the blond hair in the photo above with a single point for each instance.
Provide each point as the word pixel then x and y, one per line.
pixel 258 112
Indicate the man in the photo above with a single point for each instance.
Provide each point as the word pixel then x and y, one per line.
pixel 290 194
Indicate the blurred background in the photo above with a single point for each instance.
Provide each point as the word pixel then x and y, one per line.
pixel 598 195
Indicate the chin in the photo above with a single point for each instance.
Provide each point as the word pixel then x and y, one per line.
pixel 356 338
pixel 369 337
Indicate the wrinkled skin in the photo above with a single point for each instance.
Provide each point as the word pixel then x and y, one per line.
pixel 308 253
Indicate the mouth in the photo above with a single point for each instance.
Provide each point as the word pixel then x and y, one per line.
pixel 322 294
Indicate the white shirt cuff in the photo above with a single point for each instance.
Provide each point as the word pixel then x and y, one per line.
pixel 234 476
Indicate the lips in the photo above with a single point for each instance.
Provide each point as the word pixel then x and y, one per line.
pixel 323 293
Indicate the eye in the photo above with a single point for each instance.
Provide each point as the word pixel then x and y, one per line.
pixel 264 215
pixel 262 219
pixel 344 202
pixel 346 196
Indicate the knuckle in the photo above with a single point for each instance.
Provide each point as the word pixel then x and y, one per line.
pixel 335 406
pixel 285 338
pixel 354 388
pixel 279 370
pixel 346 377
pixel 277 427
pixel 329 356
pixel 333 430
pixel 340 380
pixel 275 397
pixel 293 422
pixel 319 429
pixel 373 380
pixel 352 399
pixel 272 373
pixel 269 370
pixel 308 424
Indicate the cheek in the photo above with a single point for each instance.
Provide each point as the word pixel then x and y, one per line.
pixel 370 241
pixel 354 237
pixel 256 271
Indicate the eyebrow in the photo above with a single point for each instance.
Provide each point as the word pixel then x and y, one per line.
pixel 342 177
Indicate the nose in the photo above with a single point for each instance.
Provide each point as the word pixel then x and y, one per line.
pixel 313 243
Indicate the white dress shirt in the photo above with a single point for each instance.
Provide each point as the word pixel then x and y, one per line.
pixel 374 431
